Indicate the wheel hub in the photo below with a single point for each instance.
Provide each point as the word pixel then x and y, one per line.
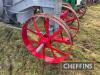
pixel 46 40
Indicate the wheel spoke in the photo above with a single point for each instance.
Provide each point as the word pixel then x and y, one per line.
pixel 34 41
pixel 61 35
pixel 56 32
pixel 46 25
pixel 35 25
pixel 80 12
pixel 53 53
pixel 64 40
pixel 59 51
pixel 83 9
pixel 34 32
pixel 43 52
pixel 71 20
pixel 73 28
pixel 64 14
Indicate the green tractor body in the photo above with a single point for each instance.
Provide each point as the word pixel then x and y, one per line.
pixel 72 3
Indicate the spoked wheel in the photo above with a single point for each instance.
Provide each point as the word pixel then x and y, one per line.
pixel 81 11
pixel 43 41
pixel 71 19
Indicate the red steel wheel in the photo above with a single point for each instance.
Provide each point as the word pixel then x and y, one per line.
pixel 45 45
pixel 81 11
pixel 71 19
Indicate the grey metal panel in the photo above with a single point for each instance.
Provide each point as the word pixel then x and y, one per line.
pixel 24 15
pixel 7 2
pixel 16 1
pixel 30 3
pixel 1 7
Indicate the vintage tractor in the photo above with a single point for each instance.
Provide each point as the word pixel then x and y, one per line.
pixel 78 5
pixel 47 34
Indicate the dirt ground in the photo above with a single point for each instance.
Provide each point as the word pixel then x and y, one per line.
pixel 15 59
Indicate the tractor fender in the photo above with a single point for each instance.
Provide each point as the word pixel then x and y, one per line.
pixel 25 4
